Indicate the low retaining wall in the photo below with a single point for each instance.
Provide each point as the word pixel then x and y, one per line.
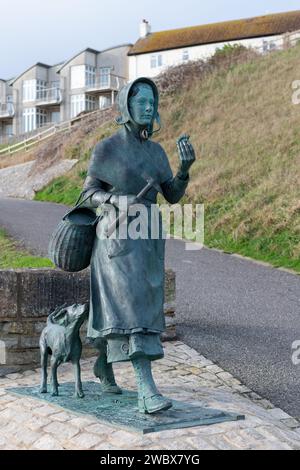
pixel 27 296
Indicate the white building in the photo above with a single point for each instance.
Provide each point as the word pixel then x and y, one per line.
pixel 154 52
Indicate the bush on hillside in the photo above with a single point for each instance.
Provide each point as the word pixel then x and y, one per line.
pixel 176 77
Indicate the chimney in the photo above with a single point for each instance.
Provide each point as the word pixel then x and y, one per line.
pixel 145 29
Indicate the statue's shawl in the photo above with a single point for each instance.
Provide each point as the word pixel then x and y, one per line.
pixel 123 161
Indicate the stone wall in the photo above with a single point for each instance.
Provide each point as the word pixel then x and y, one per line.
pixel 27 296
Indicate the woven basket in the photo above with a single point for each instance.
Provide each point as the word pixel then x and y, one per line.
pixel 71 244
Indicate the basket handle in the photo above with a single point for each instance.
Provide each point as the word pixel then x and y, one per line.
pixel 78 204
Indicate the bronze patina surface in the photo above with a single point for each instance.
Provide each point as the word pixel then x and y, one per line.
pixel 122 411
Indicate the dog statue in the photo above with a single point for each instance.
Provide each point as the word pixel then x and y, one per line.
pixel 61 339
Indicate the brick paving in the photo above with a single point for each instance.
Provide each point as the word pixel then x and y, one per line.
pixel 183 375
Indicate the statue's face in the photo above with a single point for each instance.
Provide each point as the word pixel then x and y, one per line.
pixel 141 106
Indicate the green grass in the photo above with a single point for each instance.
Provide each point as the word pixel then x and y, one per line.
pixel 62 190
pixel 275 250
pixel 12 257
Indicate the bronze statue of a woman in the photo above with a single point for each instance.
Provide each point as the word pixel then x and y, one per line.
pixel 127 275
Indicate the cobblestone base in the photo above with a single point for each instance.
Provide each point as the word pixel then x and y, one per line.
pixel 183 375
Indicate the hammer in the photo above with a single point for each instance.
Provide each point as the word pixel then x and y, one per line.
pixel 150 184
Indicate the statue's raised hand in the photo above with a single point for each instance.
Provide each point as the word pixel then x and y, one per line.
pixel 186 154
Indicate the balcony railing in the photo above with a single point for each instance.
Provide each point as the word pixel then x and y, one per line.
pixel 7 110
pixel 107 82
pixel 48 96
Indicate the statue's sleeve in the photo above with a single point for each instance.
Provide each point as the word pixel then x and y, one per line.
pixel 96 192
pixel 173 187
pixel 95 189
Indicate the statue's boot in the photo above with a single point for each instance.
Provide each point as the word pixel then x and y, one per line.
pixel 149 398
pixel 105 373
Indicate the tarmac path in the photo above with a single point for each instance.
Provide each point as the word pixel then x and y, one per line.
pixel 240 314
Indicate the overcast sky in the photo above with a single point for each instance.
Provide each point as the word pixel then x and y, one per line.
pixel 51 31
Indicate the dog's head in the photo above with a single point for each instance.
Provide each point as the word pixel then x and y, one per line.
pixel 71 316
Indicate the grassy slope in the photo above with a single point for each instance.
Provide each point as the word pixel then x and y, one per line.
pixel 246 134
pixel 13 257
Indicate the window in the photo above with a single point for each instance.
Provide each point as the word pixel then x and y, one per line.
pixel 156 61
pixel 269 46
pixel 153 61
pixel 104 102
pixel 29 119
pixel 90 103
pixel 81 103
pixel 41 86
pixel 33 118
pixel 9 101
pixel 29 90
pixel 83 76
pixel 77 104
pixel 41 117
pixel 90 75
pixel 8 130
pixel 77 76
pixel 104 77
pixel 185 55
pixel 55 116
pixel 55 91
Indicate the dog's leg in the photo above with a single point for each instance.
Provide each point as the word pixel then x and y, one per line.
pixel 54 383
pixel 78 384
pixel 44 362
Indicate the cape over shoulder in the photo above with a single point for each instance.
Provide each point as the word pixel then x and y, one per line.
pixel 104 157
pixel 115 158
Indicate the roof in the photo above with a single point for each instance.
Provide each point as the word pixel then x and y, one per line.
pixel 38 64
pixel 88 49
pixel 259 26
pixel 7 80
pixel 116 47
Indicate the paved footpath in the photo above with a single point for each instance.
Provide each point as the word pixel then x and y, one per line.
pixel 184 375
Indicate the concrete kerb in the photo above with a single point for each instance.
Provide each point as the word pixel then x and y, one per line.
pixel 237 255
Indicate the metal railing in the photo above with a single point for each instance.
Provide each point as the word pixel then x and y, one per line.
pixel 16 138
pixel 106 82
pixel 7 110
pixel 48 96
pixel 27 144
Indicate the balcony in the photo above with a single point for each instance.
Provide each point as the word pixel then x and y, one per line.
pixel 48 97
pixel 107 82
pixel 7 110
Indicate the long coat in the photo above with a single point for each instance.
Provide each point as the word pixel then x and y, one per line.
pixel 127 275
